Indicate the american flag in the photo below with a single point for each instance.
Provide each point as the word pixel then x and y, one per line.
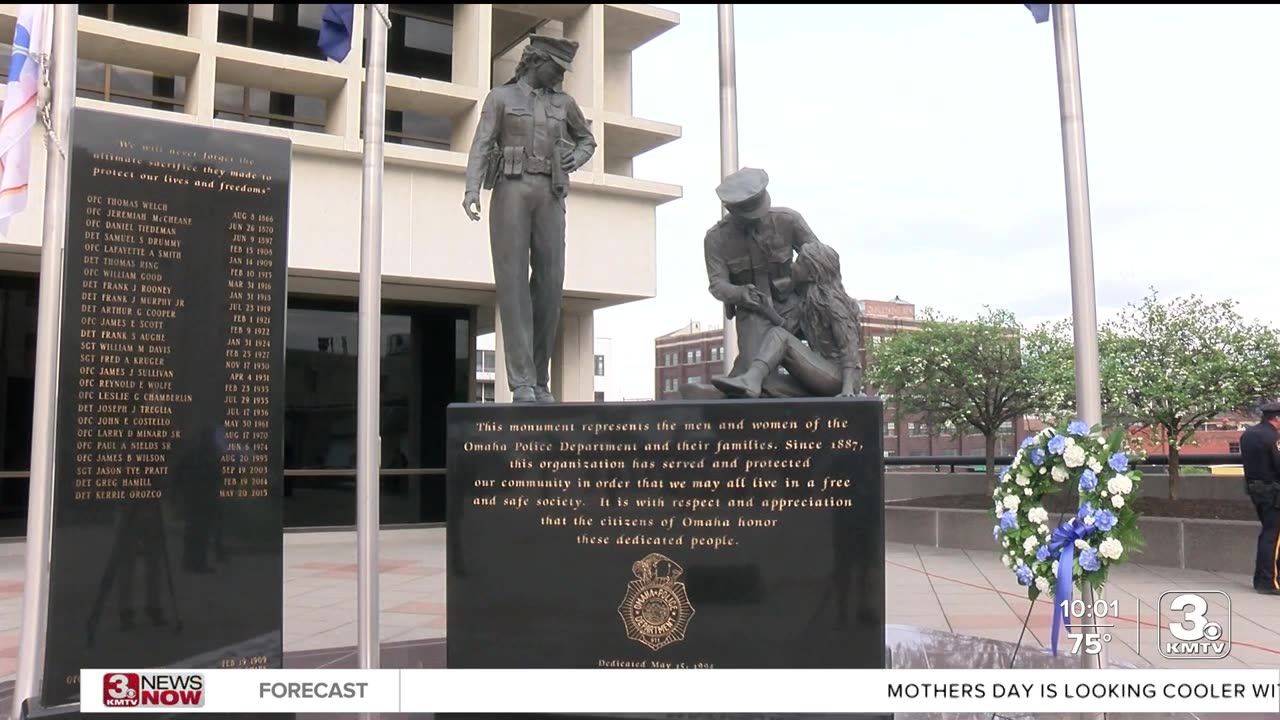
pixel 20 109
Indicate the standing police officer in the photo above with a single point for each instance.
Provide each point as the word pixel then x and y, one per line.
pixel 1260 452
pixel 531 136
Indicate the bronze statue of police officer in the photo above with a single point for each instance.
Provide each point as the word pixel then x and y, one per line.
pixel 531 136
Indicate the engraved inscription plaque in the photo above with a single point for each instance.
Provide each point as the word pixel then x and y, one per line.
pixel 725 534
pixel 167 544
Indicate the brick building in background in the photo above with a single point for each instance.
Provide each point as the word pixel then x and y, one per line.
pixel 696 354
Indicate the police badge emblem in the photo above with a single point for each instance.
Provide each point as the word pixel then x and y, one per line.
pixel 656 610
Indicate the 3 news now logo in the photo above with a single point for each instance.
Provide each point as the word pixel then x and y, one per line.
pixel 173 690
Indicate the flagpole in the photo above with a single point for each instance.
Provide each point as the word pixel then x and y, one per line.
pixel 1084 311
pixel 368 451
pixel 44 420
pixel 728 140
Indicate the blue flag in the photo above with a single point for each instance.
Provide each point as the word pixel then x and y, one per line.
pixel 335 31
pixel 1039 12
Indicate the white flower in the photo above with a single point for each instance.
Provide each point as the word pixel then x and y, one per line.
pixel 1044 529
pixel 1110 549
pixel 1043 470
pixel 1037 514
pixel 1071 441
pixel 1082 545
pixel 1045 432
pixel 1012 502
pixel 1023 480
pixel 1005 542
pixel 999 507
pixel 1007 562
pixel 1060 474
pixel 1117 501
pixel 1042 585
pixel 1103 493
pixel 1054 569
pixel 1094 465
pixel 1088 521
pixel 1027 492
pixel 1074 456
pixel 1120 485
pixel 1030 545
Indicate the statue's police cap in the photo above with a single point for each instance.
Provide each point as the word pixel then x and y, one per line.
pixel 1271 408
pixel 561 50
pixel 745 193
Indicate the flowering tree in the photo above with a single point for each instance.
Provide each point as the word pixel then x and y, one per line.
pixel 1173 366
pixel 969 373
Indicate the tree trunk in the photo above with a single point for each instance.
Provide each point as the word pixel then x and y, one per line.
pixel 1173 471
pixel 991 462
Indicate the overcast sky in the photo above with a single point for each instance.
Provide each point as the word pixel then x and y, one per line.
pixel 923 142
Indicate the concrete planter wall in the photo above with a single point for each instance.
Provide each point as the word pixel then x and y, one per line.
pixel 1218 545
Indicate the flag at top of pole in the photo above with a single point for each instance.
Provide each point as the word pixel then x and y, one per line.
pixel 21 108
pixel 1039 12
pixel 336 29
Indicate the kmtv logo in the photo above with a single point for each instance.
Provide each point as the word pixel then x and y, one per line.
pixel 153 690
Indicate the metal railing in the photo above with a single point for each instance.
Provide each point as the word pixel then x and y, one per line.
pixel 953 461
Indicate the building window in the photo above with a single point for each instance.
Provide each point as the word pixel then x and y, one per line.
pixel 599 366
pixel 890 429
pixel 693 357
pixel 1006 426
pixel 153 16
pixel 671 359
pixel 420 41
pixel 717 354
pixel 599 396
pixel 288 29
pixel 406 127
pixel 694 379
pixel 1233 448
pixel 291 29
pixel 917 429
pixel 484 392
pixel 670 385
pixel 130 86
pixel 485 361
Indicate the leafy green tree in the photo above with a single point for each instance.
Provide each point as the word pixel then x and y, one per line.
pixel 970 373
pixel 1174 365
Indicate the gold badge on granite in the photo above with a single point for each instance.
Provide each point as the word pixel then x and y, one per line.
pixel 656 610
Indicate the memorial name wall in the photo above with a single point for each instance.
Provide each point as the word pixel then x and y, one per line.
pixel 169 468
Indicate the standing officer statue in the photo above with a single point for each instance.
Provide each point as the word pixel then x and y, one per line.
pixel 530 137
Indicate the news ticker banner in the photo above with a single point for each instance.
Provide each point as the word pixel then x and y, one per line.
pixel 703 691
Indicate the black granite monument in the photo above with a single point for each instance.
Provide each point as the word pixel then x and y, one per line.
pixel 723 533
pixel 167 528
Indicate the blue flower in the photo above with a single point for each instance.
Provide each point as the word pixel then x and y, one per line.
pixel 1037 457
pixel 1119 462
pixel 1000 471
pixel 1088 481
pixel 1078 428
pixel 1028 441
pixel 1089 559
pixel 1057 444
pixel 1043 553
pixel 1008 521
pixel 1024 574
pixel 1104 521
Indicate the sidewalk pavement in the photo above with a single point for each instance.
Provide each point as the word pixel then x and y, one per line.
pixel 957 591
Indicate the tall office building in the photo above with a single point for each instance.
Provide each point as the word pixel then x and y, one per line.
pixel 257 69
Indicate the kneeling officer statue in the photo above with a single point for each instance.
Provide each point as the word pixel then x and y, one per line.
pixel 530 137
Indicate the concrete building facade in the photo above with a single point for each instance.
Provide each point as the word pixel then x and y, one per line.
pixel 257 68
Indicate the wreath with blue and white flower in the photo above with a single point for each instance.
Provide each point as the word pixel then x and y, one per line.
pixel 1082 548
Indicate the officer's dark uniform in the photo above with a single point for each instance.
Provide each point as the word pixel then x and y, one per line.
pixel 1260 452
pixel 760 253
pixel 522 134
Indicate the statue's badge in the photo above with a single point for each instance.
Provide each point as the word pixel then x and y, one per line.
pixel 656 610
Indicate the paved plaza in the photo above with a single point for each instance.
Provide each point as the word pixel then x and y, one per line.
pixel 964 592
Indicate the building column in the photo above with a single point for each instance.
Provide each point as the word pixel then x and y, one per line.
pixel 573 364
pixel 501 390
pixel 202 24
pixel 472 66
